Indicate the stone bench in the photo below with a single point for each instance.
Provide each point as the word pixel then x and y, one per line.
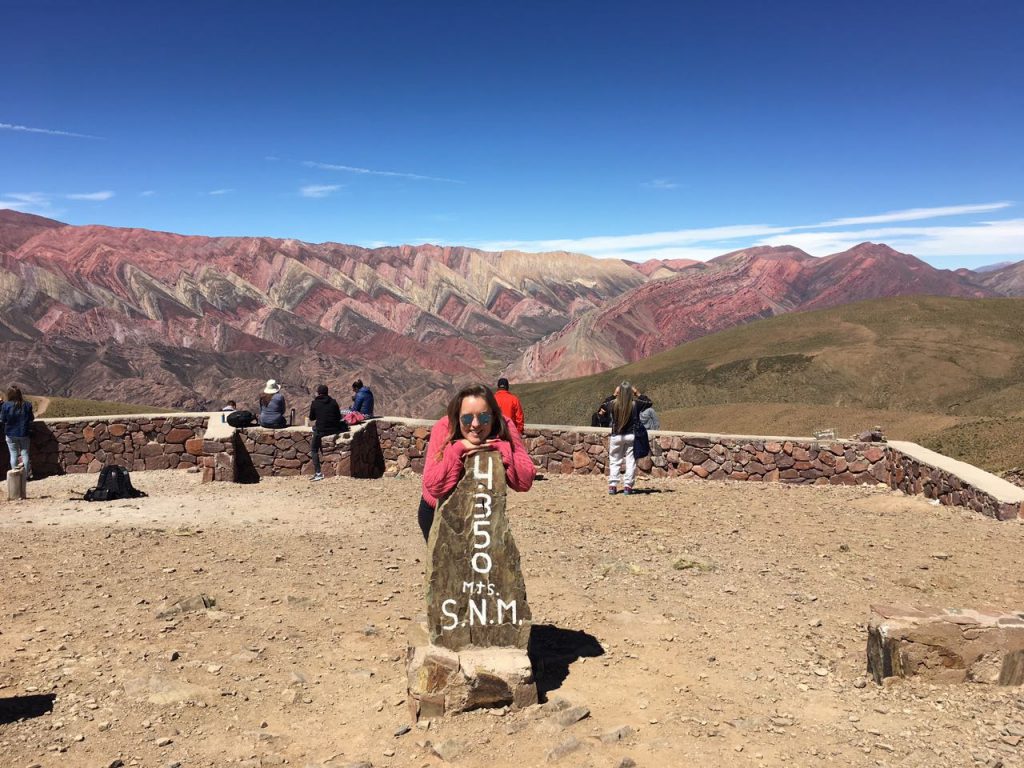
pixel 946 645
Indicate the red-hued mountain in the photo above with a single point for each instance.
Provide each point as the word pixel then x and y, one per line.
pixel 165 319
pixel 732 289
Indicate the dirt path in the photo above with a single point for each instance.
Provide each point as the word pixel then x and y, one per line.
pixel 731 618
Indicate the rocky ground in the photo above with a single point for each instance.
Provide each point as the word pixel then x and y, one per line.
pixel 716 624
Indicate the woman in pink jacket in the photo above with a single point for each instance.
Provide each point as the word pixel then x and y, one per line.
pixel 473 423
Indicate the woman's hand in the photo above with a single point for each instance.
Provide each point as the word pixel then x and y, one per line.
pixel 471 448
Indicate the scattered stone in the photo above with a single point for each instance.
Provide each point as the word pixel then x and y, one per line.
pixel 572 716
pixel 621 733
pixel 564 748
pixel 629 762
pixel 196 603
pixel 448 750
pixel 163 742
pixel 403 730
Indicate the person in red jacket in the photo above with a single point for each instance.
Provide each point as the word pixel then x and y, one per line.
pixel 510 405
pixel 474 422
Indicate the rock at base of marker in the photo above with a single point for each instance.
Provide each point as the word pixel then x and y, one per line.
pixel 446 682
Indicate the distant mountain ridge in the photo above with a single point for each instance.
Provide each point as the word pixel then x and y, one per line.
pixel 736 288
pixel 182 321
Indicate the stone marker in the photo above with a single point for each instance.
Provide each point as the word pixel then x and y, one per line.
pixel 472 651
pixel 945 645
pixel 15 484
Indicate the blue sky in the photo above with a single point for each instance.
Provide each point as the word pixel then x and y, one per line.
pixel 634 130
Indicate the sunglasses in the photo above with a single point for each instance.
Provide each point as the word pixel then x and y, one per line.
pixel 482 418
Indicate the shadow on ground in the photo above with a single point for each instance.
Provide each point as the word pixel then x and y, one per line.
pixel 553 649
pixel 16 708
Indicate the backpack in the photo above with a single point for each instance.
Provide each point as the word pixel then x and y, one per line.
pixel 240 419
pixel 353 417
pixel 114 483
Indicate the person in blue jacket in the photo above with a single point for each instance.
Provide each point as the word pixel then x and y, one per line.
pixel 272 407
pixel 16 417
pixel 362 398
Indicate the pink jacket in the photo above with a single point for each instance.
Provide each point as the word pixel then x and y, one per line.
pixel 441 475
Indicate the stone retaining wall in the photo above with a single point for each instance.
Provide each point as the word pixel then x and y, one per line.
pixel 915 477
pixel 584 451
pixel 252 453
pixel 64 446
pixel 177 441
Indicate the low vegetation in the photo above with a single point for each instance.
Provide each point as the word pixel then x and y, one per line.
pixel 61 407
pixel 947 373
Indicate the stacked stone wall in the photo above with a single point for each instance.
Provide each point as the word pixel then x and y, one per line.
pixel 585 451
pixel 81 446
pixel 179 442
pixel 915 477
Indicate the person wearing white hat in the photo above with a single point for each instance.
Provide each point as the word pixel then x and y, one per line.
pixel 272 406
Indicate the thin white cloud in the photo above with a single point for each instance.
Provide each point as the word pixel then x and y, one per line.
pixel 913 214
pixel 47 131
pixel 371 172
pixel 980 239
pixel 220 191
pixel 942 245
pixel 94 196
pixel 659 184
pixel 616 245
pixel 319 190
pixel 147 193
pixel 26 202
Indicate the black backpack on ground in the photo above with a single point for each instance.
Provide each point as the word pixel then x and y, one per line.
pixel 240 419
pixel 114 483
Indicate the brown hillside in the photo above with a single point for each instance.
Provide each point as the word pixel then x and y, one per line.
pixel 918 366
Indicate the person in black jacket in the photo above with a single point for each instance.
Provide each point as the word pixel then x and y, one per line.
pixel 625 413
pixel 325 415
pixel 602 417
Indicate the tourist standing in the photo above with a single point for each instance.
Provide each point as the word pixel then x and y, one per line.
pixel 362 398
pixel 625 410
pixel 325 416
pixel 272 406
pixel 473 422
pixel 16 417
pixel 510 405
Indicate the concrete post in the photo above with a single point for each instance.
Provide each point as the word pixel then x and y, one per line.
pixel 15 484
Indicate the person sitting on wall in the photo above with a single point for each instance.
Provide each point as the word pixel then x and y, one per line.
pixel 272 406
pixel 229 406
pixel 472 423
pixel 362 398
pixel 649 418
pixel 510 405
pixel 325 415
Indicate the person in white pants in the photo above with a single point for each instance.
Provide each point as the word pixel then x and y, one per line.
pixel 624 408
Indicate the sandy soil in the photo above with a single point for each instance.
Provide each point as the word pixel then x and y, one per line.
pixel 731 618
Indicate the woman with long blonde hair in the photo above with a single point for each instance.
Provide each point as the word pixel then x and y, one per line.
pixel 624 409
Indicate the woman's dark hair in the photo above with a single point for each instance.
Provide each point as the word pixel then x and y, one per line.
pixel 265 399
pixel 14 395
pixel 499 428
